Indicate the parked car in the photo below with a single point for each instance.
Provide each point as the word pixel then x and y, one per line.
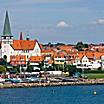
pixel 32 79
pixel 14 80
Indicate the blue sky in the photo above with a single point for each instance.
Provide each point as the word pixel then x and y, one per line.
pixel 67 21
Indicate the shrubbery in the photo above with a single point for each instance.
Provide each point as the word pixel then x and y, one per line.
pixel 2 69
pixel 94 71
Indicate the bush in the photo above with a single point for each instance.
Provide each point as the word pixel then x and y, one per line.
pixel 94 71
pixel 2 69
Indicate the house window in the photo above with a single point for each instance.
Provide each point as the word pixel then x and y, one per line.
pixel 57 60
pixel 59 56
pixel 4 37
pixel 27 51
pixel 27 56
pixel 84 64
pixel 4 42
pixel 37 51
pixel 61 60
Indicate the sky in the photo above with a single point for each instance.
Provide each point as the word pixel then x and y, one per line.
pixel 64 21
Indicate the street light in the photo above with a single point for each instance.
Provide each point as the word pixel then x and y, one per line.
pixel 83 72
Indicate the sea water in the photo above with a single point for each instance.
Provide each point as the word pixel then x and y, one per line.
pixel 53 95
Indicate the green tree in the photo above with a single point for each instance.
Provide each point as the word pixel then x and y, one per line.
pixel 2 69
pixel 29 68
pixel 79 46
pixel 54 66
pixel 65 67
pixel 41 66
pixel 85 45
pixel 50 44
pixel 72 70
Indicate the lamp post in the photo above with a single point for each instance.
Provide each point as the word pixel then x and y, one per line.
pixel 24 69
pixel 83 72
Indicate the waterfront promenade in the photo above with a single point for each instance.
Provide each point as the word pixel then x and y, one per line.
pixel 45 84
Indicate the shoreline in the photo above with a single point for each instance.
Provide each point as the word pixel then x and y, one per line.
pixel 29 85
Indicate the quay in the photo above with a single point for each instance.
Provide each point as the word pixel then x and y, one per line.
pixel 46 84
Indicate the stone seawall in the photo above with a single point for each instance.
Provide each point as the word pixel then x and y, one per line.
pixel 23 85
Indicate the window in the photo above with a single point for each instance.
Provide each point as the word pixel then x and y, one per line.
pixel 7 42
pixel 57 60
pixel 4 42
pixel 4 37
pixel 27 51
pixel 84 64
pixel 59 56
pixel 37 51
pixel 61 60
pixel 27 56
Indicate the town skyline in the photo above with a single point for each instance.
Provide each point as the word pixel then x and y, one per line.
pixel 66 21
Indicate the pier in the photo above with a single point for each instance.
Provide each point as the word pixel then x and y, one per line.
pixel 46 84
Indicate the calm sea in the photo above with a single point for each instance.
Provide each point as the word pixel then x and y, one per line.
pixel 53 95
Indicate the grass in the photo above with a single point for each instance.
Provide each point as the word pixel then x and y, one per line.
pixel 94 75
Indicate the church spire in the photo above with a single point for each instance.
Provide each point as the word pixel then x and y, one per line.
pixel 21 37
pixel 7 29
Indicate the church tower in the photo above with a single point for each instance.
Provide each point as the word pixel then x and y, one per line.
pixel 6 38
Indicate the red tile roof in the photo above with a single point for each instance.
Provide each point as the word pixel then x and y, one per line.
pixel 23 44
pixel 50 61
pixel 36 58
pixel 47 50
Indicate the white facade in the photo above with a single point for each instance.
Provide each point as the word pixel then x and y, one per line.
pixel 36 51
pixel 85 63
pixel 7 49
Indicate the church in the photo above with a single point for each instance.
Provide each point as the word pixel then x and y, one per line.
pixel 18 52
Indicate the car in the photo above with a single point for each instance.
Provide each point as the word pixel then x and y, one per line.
pixel 32 79
pixel 14 80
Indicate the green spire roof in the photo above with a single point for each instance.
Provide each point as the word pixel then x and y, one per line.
pixel 7 29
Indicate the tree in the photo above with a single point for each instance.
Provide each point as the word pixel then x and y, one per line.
pixel 65 67
pixel 50 44
pixel 54 66
pixel 41 66
pixel 2 69
pixel 72 70
pixel 79 46
pixel 85 45
pixel 29 68
pixel 58 44
pixel 3 62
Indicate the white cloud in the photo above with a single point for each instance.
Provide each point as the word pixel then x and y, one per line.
pixel 62 24
pixel 99 21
